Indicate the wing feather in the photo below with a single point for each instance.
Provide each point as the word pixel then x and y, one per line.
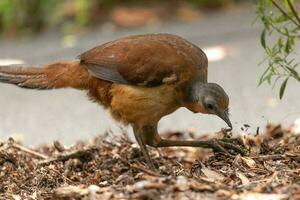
pixel 147 60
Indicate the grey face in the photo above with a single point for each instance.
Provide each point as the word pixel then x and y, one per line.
pixel 213 99
pixel 216 106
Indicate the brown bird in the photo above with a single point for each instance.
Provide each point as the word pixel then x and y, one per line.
pixel 139 79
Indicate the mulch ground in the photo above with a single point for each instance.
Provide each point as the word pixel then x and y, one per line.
pixel 112 167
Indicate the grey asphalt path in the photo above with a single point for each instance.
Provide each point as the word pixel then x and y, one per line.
pixel 67 115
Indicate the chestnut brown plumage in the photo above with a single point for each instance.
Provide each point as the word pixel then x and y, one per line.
pixel 139 79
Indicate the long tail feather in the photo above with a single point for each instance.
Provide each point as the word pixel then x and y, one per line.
pixel 57 75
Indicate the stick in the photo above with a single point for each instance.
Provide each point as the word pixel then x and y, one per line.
pixel 27 150
pixel 284 13
pixel 69 155
pixel 269 157
pixel 294 10
pixel 142 169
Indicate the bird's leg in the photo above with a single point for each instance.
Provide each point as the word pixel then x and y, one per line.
pixel 148 135
pixel 154 140
pixel 139 136
pixel 216 145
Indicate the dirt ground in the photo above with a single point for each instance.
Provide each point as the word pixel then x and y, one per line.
pixel 111 167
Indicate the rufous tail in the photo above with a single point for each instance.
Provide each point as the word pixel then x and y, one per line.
pixel 57 75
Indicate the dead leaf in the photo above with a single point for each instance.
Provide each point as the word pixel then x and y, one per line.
pixel 182 183
pixel 213 175
pixel 249 162
pixel 196 186
pixel 259 196
pixel 243 178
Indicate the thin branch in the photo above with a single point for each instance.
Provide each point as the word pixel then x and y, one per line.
pixel 29 151
pixel 288 72
pixel 143 169
pixel 284 13
pixel 283 33
pixel 70 155
pixel 294 10
pixel 140 168
pixel 269 157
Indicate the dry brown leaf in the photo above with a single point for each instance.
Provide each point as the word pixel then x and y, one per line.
pixel 147 185
pixel 113 167
pixel 196 186
pixel 70 191
pixel 212 175
pixel 182 183
pixel 259 196
pixel 243 178
pixel 249 162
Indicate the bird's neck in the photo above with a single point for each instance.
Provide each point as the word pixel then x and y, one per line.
pixel 195 92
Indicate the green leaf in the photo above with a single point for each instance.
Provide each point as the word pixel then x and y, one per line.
pixel 290 43
pixel 268 51
pixel 263 77
pixel 280 19
pixel 286 4
pixel 282 88
pixel 280 43
pixel 269 78
pixel 287 48
pixel 294 73
pixel 263 38
pixel 277 60
pixel 295 65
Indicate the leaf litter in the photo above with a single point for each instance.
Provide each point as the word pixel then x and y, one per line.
pixel 112 167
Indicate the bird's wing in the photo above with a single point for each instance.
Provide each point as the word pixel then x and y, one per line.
pixel 146 60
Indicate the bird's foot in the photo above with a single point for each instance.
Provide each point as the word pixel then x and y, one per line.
pixel 228 146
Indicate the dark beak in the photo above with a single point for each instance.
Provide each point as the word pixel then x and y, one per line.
pixel 225 117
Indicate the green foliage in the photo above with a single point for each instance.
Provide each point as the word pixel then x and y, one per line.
pixel 281 30
pixel 210 3
pixel 29 15
pixel 19 17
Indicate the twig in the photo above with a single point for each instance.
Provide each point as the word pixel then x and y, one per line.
pixel 284 13
pixel 29 151
pixel 142 169
pixel 269 157
pixel 65 177
pixel 282 32
pixel 262 186
pixel 294 10
pixel 70 155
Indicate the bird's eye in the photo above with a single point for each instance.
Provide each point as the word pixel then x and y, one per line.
pixel 210 106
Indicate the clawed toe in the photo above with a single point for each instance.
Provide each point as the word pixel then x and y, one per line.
pixel 228 146
pixel 235 148
pixel 216 146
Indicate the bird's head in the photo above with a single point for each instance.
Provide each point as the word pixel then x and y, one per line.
pixel 209 98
